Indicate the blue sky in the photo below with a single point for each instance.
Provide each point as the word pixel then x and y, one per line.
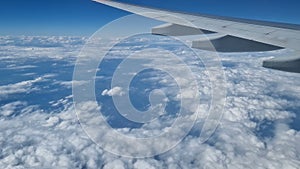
pixel 83 17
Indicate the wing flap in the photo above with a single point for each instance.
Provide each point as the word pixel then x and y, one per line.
pixel 289 63
pixel 170 29
pixel 233 44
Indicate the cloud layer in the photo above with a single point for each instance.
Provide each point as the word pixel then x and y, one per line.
pixel 256 130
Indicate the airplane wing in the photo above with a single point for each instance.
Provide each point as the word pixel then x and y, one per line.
pixel 226 34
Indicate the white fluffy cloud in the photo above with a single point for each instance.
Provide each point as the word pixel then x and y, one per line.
pixel 116 91
pixel 56 47
pixel 20 87
pixel 10 108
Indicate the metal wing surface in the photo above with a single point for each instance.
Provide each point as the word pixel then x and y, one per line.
pixel 226 34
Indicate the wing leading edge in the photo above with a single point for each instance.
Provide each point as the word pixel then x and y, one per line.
pixel 227 34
